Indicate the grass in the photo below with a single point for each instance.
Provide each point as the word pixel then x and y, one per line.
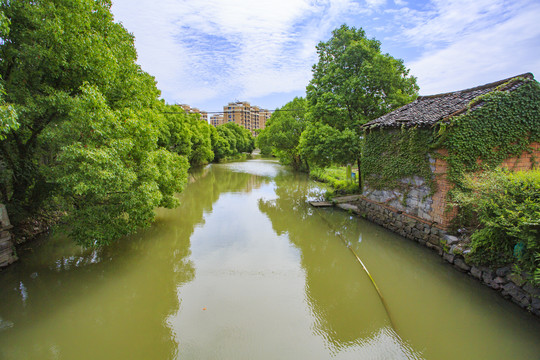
pixel 336 177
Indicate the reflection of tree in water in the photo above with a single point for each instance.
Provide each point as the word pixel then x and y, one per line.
pixel 346 307
pixel 117 298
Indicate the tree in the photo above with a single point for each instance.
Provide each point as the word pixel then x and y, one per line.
pixel 283 130
pixel 239 138
pixel 353 83
pixel 89 121
pixel 8 116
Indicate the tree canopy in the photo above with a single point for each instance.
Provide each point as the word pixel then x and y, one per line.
pixel 353 83
pixel 90 125
pixel 283 130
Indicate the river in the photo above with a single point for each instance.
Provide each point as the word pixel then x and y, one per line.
pixel 246 269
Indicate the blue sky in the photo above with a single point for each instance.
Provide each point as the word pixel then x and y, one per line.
pixel 206 53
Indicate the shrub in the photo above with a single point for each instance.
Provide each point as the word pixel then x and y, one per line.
pixel 506 206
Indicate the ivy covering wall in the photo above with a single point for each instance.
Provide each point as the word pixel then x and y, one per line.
pixel 503 125
pixel 392 155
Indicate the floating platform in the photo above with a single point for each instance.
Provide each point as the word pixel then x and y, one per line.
pixel 321 203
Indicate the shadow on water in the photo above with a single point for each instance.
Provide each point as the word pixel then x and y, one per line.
pixel 60 295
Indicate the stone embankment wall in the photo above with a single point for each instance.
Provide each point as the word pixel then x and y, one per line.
pixel 451 248
pixel 7 255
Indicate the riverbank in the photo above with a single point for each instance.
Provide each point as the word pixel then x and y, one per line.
pixel 452 249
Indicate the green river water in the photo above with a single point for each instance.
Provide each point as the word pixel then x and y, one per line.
pixel 246 269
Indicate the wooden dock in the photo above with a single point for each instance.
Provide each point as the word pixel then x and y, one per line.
pixel 321 203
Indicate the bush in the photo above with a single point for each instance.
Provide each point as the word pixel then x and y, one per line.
pixel 506 207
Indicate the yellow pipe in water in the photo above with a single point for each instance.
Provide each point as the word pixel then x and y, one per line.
pixel 365 269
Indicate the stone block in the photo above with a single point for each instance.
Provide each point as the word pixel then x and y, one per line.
pixel 535 303
pixel 4 218
pixel 450 239
pixel 487 277
pixel 449 257
pixel 516 279
pixel 434 247
pixel 417 234
pixel 503 271
pixel 476 272
pixel 461 264
pixel 434 239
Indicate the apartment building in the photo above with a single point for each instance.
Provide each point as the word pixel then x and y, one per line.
pixel 190 110
pixel 216 119
pixel 245 115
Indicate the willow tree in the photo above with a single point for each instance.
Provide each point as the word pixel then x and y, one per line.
pixel 353 82
pixel 89 121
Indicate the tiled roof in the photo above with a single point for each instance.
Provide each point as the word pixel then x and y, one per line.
pixel 428 110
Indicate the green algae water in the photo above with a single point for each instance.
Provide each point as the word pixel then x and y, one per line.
pixel 246 269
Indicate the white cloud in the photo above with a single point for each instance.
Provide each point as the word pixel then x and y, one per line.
pixel 471 43
pixel 375 3
pixel 238 48
pixel 214 51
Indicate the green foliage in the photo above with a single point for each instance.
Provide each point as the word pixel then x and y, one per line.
pixel 8 116
pixel 390 156
pixel 234 140
pixel 262 141
pixel 324 145
pixel 507 209
pixel 503 127
pixel 336 177
pixel 92 137
pixel 353 83
pixel 282 133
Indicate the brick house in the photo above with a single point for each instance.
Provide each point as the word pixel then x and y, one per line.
pixel 418 200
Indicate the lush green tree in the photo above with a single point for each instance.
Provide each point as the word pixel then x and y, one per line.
pixel 262 141
pixel 353 82
pixel 220 145
pixel 8 117
pixel 114 175
pixel 239 138
pixel 323 145
pixel 201 141
pixel 90 122
pixel 283 131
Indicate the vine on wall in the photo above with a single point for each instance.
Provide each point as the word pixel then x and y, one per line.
pixel 502 125
pixel 390 156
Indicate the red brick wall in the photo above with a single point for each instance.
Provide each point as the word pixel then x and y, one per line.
pixel 439 212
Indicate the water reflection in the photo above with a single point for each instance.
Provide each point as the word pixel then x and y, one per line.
pixel 244 268
pixel 348 312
